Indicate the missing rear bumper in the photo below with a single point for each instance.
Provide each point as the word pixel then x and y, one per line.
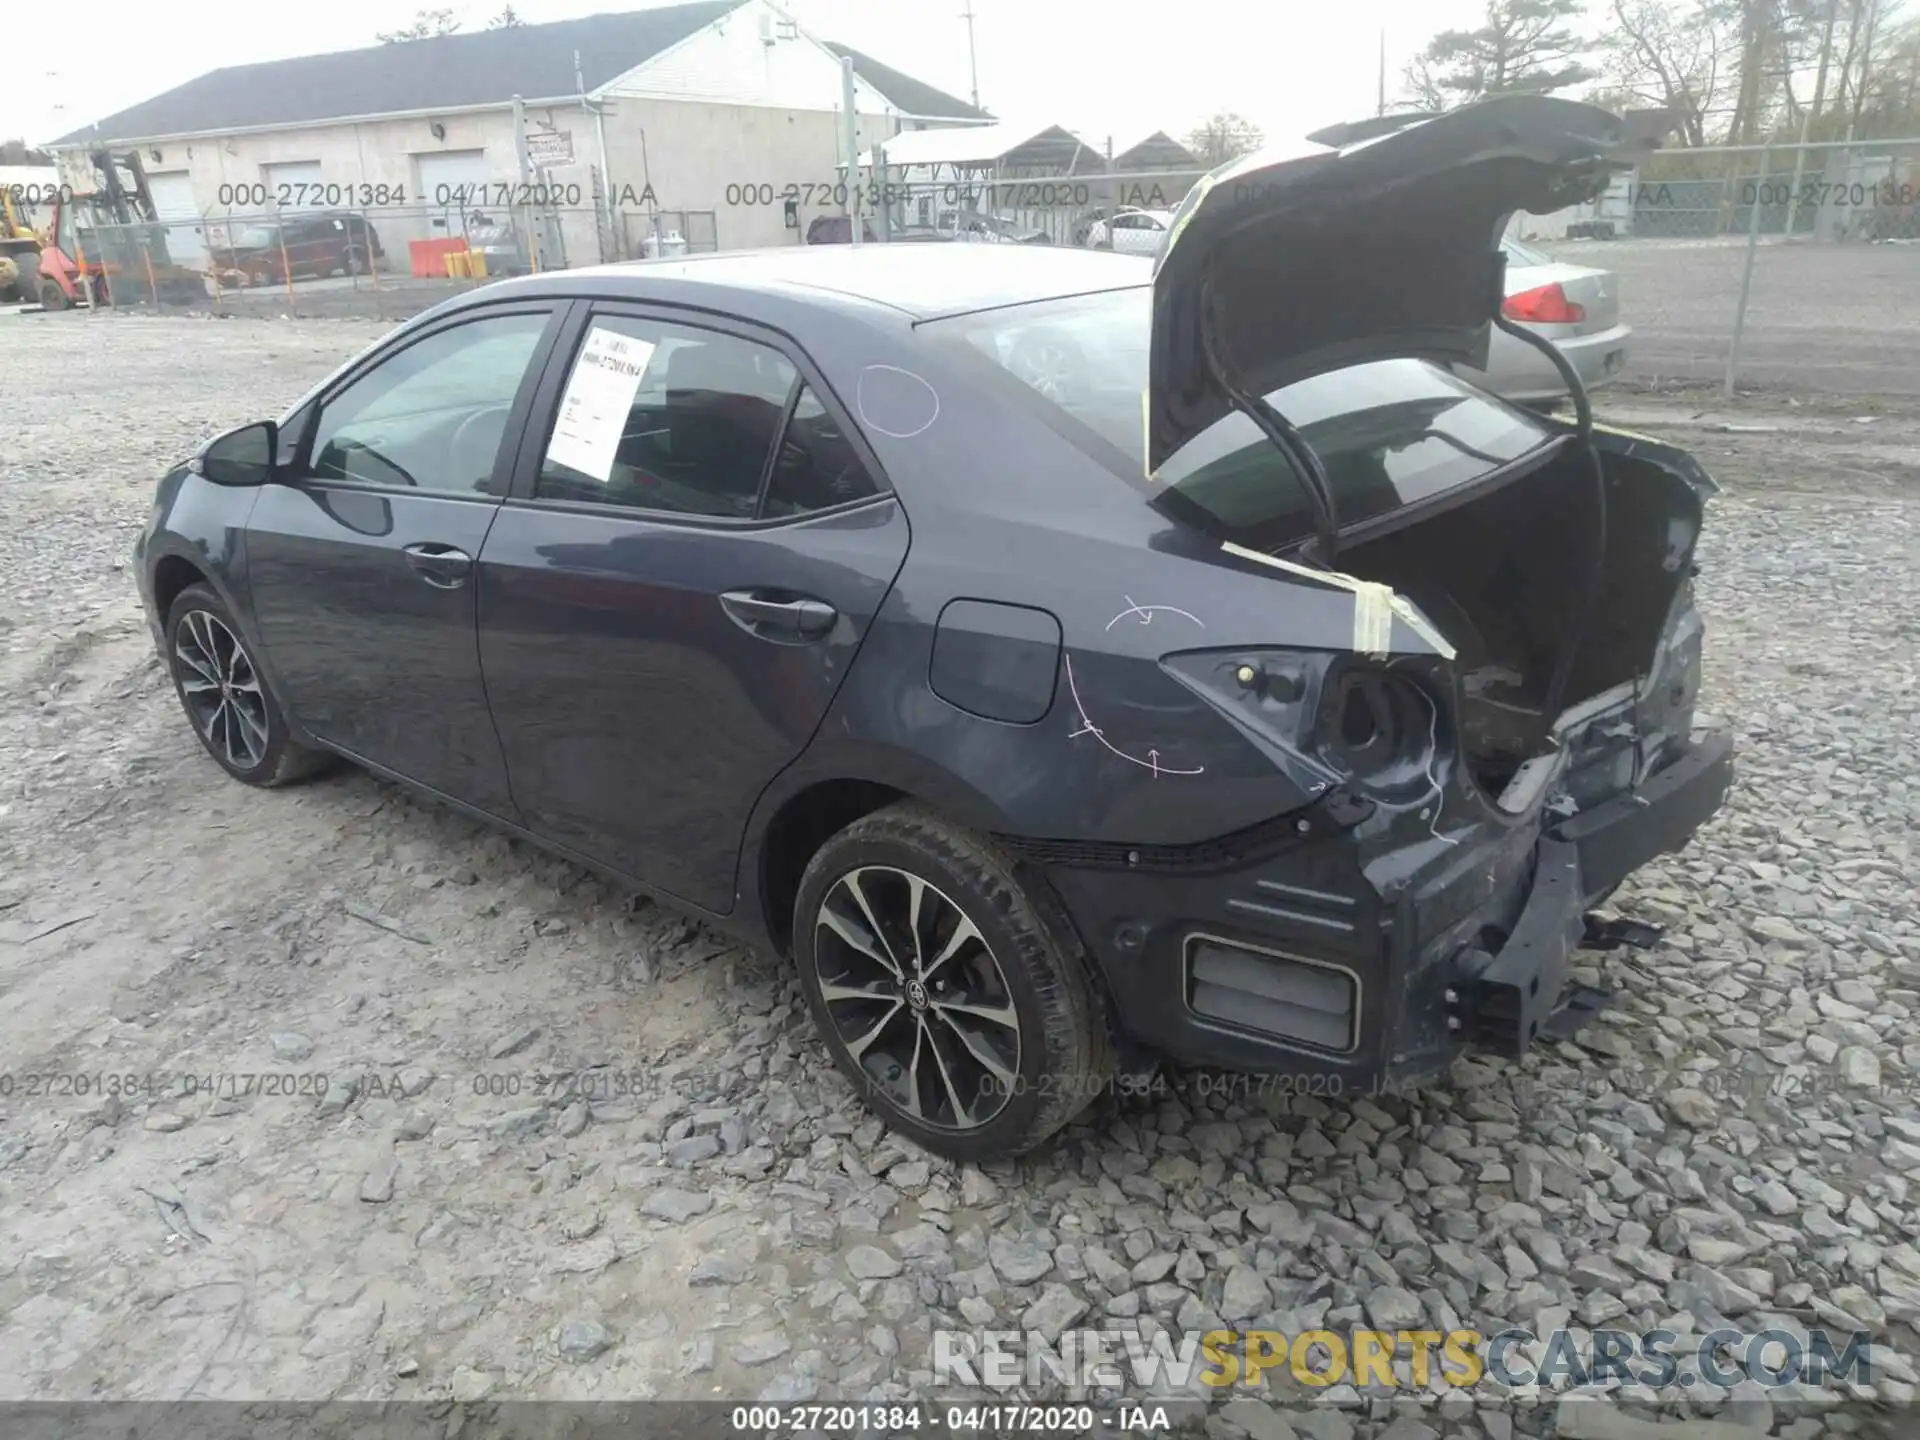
pixel 1298 964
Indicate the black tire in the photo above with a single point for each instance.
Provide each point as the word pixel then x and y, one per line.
pixel 1062 1049
pixel 52 297
pixel 254 745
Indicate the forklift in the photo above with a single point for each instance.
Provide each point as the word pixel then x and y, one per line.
pixel 19 252
pixel 108 243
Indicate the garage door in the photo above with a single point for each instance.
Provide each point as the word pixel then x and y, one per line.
pixel 453 180
pixel 294 185
pixel 173 202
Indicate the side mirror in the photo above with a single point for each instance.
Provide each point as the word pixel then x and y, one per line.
pixel 240 457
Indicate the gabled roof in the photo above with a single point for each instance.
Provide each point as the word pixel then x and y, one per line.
pixel 483 67
pixel 1018 146
pixel 1157 149
pixel 906 94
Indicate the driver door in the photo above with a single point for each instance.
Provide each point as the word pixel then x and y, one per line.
pixel 360 564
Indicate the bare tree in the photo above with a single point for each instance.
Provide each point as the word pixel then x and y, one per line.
pixel 424 26
pixel 507 19
pixel 1892 106
pixel 1676 56
pixel 1421 87
pixel 1224 137
pixel 1523 46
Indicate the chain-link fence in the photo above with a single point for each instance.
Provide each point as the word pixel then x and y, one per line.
pixel 389 262
pixel 1761 267
pixel 1756 266
pixel 1038 209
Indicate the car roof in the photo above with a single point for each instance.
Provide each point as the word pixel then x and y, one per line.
pixel 923 281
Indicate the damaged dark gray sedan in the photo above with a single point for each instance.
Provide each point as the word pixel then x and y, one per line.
pixel 1070 661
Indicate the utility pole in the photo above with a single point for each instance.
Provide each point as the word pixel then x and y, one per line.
pixel 1382 108
pixel 973 63
pixel 848 100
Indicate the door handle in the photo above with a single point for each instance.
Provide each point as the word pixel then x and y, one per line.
pixel 444 566
pixel 775 616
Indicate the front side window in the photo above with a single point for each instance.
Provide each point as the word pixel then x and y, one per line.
pixel 1389 433
pixel 432 416
pixel 667 417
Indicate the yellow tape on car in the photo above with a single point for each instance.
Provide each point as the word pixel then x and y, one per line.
pixel 1374 606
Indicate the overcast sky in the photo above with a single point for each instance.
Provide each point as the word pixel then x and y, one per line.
pixel 1097 67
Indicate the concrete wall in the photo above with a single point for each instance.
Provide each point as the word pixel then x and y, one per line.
pixel 755 55
pixel 735 160
pixel 736 119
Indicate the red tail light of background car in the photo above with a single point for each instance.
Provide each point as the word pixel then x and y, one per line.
pixel 1544 305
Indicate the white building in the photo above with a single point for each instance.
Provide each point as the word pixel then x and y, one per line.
pixel 715 113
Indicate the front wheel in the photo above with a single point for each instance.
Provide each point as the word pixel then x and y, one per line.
pixel 226 699
pixel 958 1004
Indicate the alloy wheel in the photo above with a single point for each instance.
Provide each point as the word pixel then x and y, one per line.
pixel 917 998
pixel 221 688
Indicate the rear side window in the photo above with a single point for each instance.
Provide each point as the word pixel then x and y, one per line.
pixel 817 466
pixel 667 417
pixel 1388 433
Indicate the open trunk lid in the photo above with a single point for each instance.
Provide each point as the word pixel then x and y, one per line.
pixel 1363 249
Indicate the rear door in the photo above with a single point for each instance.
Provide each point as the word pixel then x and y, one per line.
pixel 361 562
pixel 696 544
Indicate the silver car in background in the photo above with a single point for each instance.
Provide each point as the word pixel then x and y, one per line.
pixel 1575 307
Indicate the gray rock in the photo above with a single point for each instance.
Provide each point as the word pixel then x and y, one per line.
pixel 471 1386
pixel 1156 1266
pixel 910 1177
pixel 789 1389
pixel 761 1348
pixel 870 1262
pixel 1694 1108
pixel 1056 1309
pixel 676 1207
pixel 1244 1295
pixel 514 1124
pixel 697 1355
pixel 513 1042
pixel 712 1270
pixel 1858 1067
pixel 289 1046
pixel 1018 1262
pixel 377 1187
pixel 1391 1308
pixel 977 1191
pixel 692 1150
pixel 582 1340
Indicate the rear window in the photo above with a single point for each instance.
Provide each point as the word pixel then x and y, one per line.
pixel 1389 433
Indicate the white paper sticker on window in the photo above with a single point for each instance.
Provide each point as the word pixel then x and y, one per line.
pixel 593 412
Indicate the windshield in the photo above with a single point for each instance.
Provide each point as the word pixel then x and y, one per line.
pixel 1389 433
pixel 250 237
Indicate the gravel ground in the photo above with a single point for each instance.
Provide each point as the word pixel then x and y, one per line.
pixel 699 1207
pixel 1838 319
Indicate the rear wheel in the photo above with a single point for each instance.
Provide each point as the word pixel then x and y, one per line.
pixel 957 1002
pixel 226 699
